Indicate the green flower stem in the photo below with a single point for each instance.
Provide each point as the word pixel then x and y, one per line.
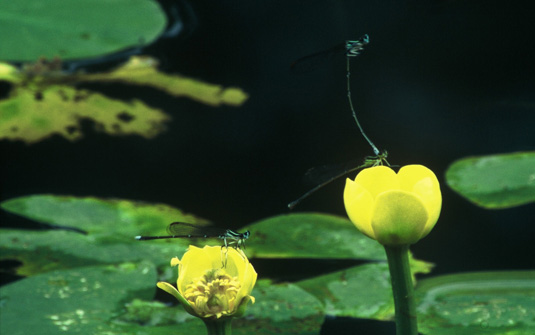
pixel 220 326
pixel 400 275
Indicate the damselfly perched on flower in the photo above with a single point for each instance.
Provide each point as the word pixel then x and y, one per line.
pixel 352 48
pixel 188 230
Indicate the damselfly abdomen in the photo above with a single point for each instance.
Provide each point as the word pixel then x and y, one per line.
pixel 188 230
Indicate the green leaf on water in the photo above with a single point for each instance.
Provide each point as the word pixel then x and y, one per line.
pixel 311 235
pixel 495 181
pixel 103 300
pixel 79 301
pixel 485 303
pixel 97 216
pixel 110 226
pixel 362 291
pixel 76 29
pixel 281 309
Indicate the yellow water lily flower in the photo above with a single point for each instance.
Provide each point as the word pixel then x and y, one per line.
pixel 394 209
pixel 213 282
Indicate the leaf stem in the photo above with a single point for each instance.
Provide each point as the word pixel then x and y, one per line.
pixel 400 275
pixel 220 326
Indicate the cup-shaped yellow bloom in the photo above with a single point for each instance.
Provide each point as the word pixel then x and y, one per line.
pixel 394 209
pixel 213 282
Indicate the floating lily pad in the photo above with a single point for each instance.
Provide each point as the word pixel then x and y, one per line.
pixel 79 301
pixel 362 291
pixel 110 227
pixel 487 303
pixel 495 181
pixel 76 29
pixel 311 235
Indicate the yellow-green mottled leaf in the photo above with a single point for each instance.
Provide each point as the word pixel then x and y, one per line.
pixel 44 102
pixel 142 70
pixel 495 181
pixel 8 72
pixel 31 116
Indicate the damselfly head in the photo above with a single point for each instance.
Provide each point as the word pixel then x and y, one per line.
pixel 353 48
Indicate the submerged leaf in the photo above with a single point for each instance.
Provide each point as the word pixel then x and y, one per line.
pixel 44 101
pixel 142 70
pixel 33 116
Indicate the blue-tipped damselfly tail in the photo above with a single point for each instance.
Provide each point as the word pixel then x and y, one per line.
pixel 188 230
pixel 352 48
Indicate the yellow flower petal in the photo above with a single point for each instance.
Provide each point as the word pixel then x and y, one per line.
pixel 169 289
pixel 423 182
pixel 377 180
pixel 359 202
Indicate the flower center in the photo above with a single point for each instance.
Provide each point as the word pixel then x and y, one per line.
pixel 213 294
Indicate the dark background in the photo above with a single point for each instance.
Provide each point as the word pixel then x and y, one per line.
pixel 440 80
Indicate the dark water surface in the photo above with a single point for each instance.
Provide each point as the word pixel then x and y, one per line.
pixel 440 80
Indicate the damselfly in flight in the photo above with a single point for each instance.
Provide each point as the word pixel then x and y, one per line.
pixel 188 230
pixel 352 49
